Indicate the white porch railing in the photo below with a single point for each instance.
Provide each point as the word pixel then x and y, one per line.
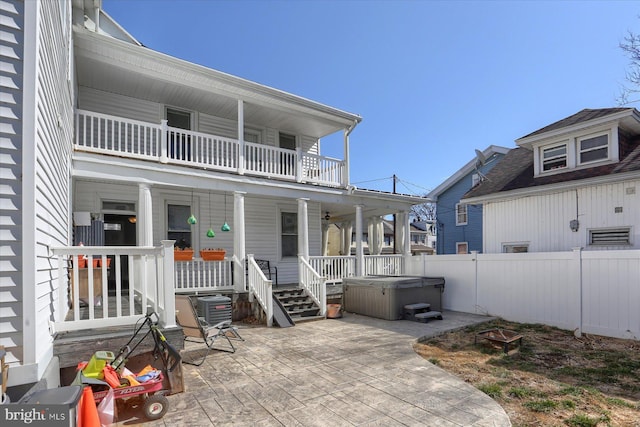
pixel 260 288
pixel 314 284
pixel 384 265
pixel 334 268
pixel 136 279
pixel 203 276
pixel 106 134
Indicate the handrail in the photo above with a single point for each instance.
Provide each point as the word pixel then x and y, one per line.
pixel 314 284
pixel 260 287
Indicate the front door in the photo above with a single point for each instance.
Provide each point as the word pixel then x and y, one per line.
pixel 119 230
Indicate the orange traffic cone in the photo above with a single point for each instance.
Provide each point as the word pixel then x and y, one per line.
pixel 88 410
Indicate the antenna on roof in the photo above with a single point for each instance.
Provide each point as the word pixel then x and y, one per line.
pixel 481 160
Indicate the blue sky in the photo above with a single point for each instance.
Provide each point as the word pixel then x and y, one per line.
pixel 433 80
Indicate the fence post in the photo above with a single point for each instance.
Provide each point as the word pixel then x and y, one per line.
pixel 577 252
pixel 164 128
pixel 168 315
pixel 474 258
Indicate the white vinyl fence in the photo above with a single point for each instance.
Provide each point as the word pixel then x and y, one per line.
pixel 596 292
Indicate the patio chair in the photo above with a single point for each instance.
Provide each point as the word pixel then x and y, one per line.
pixel 196 329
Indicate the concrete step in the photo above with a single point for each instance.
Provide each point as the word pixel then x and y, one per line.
pixel 423 317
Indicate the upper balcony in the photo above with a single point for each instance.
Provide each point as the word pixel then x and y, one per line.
pixel 124 91
pixel 117 136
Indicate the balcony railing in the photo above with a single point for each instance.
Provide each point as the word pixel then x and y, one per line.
pixel 112 135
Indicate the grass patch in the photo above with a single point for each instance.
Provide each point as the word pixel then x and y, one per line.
pixel 434 361
pixel 493 390
pixel 545 405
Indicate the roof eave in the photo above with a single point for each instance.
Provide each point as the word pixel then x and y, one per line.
pixel 528 141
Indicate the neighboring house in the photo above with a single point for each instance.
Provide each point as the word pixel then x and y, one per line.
pixel 423 237
pixel 459 224
pixel 574 183
pixel 126 150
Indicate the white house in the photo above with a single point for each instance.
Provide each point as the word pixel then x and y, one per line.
pixel 125 149
pixel 574 183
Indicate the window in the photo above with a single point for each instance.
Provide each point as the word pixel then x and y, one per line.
pixel 554 157
pixel 177 226
pixel 461 214
pixel 251 135
pixel 462 248
pixel 289 234
pixel 287 141
pixel 594 149
pixel 610 236
pixel 515 248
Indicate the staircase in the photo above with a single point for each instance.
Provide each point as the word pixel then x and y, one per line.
pixel 298 304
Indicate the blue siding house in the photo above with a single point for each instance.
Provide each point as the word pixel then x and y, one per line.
pixel 459 226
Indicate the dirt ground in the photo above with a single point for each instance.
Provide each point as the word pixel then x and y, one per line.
pixel 552 379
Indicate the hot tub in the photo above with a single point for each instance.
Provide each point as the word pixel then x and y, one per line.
pixel 384 297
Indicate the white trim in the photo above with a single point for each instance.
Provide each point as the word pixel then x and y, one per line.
pixel 459 244
pixel 29 136
pixel 466 213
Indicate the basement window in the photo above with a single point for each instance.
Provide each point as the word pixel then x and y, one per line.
pixel 610 236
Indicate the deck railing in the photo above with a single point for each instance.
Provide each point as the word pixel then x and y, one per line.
pixel 314 284
pixel 334 268
pixel 384 265
pixel 260 287
pixel 203 276
pixel 112 286
pixel 107 134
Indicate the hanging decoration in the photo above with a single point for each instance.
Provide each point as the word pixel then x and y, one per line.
pixel 225 226
pixel 192 219
pixel 210 232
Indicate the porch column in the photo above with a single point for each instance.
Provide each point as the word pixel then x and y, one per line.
pixel 239 249
pixel 240 137
pixel 345 178
pixel 346 233
pixel 406 235
pixel 144 220
pixel 325 237
pixel 303 229
pixel 169 296
pixel 359 250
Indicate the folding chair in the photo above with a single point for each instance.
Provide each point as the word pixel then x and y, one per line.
pixel 196 329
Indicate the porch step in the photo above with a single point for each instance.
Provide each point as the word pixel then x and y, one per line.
pixel 420 312
pixel 298 305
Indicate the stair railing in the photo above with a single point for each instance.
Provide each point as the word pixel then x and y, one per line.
pixel 260 287
pixel 314 284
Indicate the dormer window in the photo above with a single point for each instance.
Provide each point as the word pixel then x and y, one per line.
pixel 594 148
pixel 554 157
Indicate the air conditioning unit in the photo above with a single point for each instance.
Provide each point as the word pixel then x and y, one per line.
pixel 214 309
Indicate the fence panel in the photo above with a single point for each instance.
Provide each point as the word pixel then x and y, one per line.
pixel 459 272
pixel 611 293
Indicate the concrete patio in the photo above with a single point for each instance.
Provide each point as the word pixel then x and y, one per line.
pixel 351 371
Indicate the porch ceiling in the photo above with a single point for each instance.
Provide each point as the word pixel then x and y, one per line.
pixel 135 71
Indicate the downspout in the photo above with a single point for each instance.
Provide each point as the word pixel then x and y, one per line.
pixel 347 132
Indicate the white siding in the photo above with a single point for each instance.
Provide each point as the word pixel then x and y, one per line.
pixel 543 221
pixel 36 141
pixel 11 114
pixel 119 105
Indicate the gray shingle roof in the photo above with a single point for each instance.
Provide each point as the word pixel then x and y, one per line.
pixel 515 170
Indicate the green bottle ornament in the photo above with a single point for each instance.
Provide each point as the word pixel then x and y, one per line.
pixel 210 233
pixel 225 227
pixel 192 220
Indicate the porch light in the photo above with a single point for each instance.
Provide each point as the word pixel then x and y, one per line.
pixel 327 216
pixel 133 219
